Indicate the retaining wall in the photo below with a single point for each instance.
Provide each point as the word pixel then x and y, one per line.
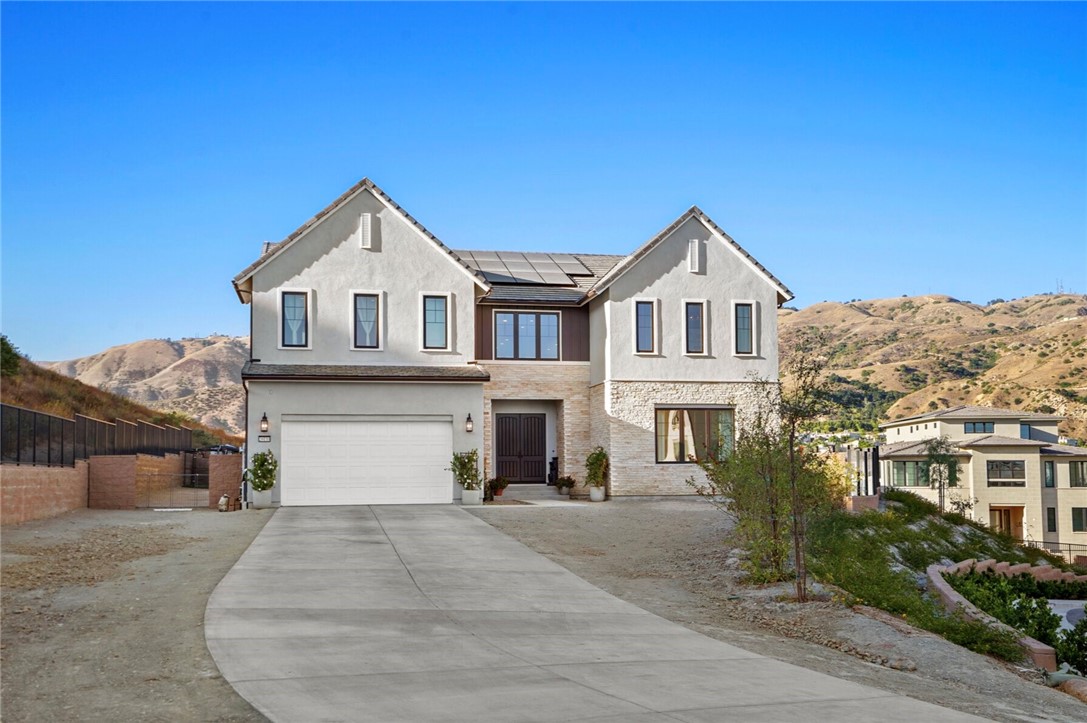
pixel 35 493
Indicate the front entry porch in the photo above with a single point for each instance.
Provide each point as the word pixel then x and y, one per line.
pixel 524 439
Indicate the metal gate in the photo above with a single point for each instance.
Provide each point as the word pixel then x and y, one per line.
pixel 160 490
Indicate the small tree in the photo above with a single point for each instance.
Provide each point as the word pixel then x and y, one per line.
pixel 9 357
pixel 940 467
pixel 465 468
pixel 596 468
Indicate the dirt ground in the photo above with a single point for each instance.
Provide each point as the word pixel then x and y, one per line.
pixel 103 615
pixel 668 556
pixel 102 612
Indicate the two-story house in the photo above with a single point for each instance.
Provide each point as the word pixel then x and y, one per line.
pixel 377 352
pixel 1012 470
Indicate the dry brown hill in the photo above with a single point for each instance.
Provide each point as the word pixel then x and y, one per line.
pixel 936 351
pixel 30 386
pixel 198 377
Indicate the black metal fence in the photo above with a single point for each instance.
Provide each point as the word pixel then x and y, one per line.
pixel 1069 550
pixel 36 438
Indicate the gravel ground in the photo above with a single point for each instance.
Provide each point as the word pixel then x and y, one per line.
pixel 103 613
pixel 670 556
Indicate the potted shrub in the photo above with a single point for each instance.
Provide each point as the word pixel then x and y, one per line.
pixel 465 468
pixel 596 474
pixel 261 477
pixel 497 485
pixel 565 484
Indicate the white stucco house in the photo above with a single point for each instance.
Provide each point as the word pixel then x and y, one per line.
pixel 1012 469
pixel 377 352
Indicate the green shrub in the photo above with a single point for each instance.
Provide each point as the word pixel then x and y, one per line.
pixel 1072 647
pixel 465 468
pixel 596 468
pixel 261 474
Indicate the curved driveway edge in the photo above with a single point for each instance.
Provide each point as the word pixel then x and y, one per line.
pixel 426 613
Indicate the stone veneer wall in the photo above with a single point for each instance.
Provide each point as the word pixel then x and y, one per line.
pixel 624 423
pixel 567 384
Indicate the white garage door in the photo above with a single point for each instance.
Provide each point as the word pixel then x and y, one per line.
pixel 366 463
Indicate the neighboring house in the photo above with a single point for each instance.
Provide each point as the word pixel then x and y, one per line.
pixel 1023 481
pixel 373 345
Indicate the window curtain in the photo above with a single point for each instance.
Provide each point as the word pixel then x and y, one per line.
pixel 366 321
pixel 294 313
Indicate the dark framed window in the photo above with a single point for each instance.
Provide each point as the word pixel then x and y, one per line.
pixel 695 314
pixel 1049 474
pixel 435 322
pixel 367 321
pixel 1050 519
pixel 907 474
pixel 977 427
pixel 526 335
pixel 745 330
pixel 1006 472
pixel 1024 431
pixel 1077 474
pixel 295 319
pixel 694 435
pixel 1079 519
pixel 645 327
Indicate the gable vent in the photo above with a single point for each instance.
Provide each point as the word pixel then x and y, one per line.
pixel 695 256
pixel 365 231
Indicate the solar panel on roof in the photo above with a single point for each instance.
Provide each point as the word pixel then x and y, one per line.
pixel 482 255
pixel 499 278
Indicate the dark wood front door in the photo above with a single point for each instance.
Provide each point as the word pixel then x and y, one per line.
pixel 520 447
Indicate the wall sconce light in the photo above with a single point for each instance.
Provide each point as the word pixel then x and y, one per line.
pixel 264 423
pixel 469 425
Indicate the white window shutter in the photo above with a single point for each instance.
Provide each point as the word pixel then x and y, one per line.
pixel 694 256
pixel 365 230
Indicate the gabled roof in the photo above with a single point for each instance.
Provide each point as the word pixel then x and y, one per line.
pixel 696 213
pixel 1063 450
pixel 271 250
pixel 972 412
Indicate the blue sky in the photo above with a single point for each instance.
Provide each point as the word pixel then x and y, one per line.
pixel 857 150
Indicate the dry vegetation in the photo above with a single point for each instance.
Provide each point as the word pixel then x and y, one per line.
pixel 935 351
pixel 33 387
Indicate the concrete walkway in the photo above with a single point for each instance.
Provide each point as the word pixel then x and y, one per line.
pixel 426 613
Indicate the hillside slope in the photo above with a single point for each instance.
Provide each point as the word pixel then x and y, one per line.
pixel 199 377
pixel 935 351
pixel 43 390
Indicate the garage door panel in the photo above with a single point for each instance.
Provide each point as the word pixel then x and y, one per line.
pixel 360 463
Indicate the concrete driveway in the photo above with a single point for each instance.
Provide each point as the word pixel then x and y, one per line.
pixel 426 613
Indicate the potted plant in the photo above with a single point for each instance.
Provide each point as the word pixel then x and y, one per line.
pixel 497 485
pixel 261 476
pixel 465 468
pixel 596 474
pixel 565 484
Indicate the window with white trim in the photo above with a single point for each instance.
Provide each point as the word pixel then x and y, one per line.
pixel 436 322
pixel 743 326
pixel 694 327
pixel 367 316
pixel 645 326
pixel 294 319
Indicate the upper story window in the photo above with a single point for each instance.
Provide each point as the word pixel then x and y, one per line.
pixel 694 435
pixel 1077 474
pixel 977 428
pixel 436 322
pixel 645 327
pixel 367 315
pixel 1049 473
pixel 743 326
pixel 294 319
pixel 694 313
pixel 1024 431
pixel 1006 473
pixel 526 335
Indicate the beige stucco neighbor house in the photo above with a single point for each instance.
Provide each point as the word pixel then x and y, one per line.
pixel 1023 481
pixel 378 352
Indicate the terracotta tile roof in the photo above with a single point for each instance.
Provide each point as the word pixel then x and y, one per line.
pixel 465 373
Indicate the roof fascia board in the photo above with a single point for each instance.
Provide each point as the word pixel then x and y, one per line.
pixel 693 212
pixel 364 185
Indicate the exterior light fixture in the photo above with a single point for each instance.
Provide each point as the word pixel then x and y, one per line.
pixel 469 425
pixel 264 423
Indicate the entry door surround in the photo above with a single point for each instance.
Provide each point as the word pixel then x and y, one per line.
pixel 521 447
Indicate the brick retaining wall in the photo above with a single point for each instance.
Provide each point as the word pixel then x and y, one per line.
pixel 36 493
